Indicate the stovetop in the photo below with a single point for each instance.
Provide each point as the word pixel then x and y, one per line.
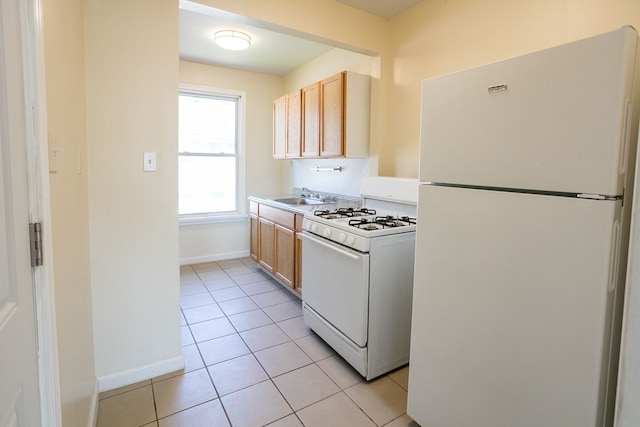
pixel 387 208
pixel 362 218
pixel 354 227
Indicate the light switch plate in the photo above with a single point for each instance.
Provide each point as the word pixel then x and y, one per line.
pixel 149 161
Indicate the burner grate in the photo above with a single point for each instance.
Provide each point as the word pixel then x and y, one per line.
pixel 381 222
pixel 344 213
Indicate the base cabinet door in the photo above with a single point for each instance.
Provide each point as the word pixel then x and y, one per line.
pixel 266 248
pixel 275 242
pixel 253 243
pixel 285 243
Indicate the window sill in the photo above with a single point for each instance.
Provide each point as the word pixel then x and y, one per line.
pixel 211 219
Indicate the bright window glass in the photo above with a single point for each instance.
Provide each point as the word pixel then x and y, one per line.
pixel 208 156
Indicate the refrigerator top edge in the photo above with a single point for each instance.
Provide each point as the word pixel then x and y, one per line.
pixel 562 119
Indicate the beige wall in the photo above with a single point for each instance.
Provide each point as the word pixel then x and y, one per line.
pixel 64 57
pixel 337 25
pixel 132 86
pixel 442 36
pixel 199 243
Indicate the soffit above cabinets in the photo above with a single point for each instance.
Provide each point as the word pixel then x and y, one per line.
pixel 383 8
pixel 273 50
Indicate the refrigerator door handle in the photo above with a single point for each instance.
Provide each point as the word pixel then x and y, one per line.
pixel 615 255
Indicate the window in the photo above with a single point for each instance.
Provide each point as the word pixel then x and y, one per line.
pixel 209 148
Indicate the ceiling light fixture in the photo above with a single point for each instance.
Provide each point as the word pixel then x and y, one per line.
pixel 232 40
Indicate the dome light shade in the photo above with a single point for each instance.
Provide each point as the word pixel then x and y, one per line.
pixel 232 40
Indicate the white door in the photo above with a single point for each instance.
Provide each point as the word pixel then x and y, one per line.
pixel 513 299
pixel 19 392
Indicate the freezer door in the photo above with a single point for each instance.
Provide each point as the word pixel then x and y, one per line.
pixel 511 310
pixel 556 120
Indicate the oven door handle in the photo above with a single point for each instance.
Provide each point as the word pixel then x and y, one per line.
pixel 329 246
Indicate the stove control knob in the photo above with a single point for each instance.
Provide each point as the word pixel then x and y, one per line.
pixel 313 227
pixel 351 240
pixel 341 238
pixel 326 232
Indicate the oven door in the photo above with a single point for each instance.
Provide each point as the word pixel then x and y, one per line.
pixel 335 284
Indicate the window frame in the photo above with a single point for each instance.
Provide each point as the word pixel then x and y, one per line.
pixel 240 213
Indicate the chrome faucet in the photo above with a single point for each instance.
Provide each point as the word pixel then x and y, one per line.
pixel 312 194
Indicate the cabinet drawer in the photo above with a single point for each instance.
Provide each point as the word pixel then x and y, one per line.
pixel 284 218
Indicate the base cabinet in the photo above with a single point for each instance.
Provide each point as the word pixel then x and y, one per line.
pixel 285 242
pixel 274 235
pixel 266 244
pixel 253 244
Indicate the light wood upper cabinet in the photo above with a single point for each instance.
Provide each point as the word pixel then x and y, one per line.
pixel 287 126
pixel 294 124
pixel 333 119
pixel 311 120
pixel 280 127
pixel 356 114
pixel 332 116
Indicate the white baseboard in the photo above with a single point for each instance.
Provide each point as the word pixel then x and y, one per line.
pixel 121 379
pixel 214 257
pixel 93 411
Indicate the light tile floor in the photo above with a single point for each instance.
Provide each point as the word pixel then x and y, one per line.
pixel 251 361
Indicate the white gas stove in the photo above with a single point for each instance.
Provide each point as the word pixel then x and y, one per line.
pixel 354 227
pixel 357 275
pixel 389 208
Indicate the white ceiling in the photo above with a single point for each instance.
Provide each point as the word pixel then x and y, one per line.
pixel 273 50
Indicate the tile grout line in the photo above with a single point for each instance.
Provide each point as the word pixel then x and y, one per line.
pixel 290 339
pixel 270 378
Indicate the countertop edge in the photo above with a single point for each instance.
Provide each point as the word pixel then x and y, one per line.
pixel 299 209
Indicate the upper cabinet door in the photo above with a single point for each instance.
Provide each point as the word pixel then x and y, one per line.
pixel 279 127
pixel 311 120
pixel 332 116
pixel 294 124
pixel 329 118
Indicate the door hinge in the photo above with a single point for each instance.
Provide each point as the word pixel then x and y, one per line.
pixel 35 234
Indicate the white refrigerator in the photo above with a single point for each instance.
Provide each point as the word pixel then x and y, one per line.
pixel 526 167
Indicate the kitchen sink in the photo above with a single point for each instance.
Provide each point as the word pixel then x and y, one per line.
pixel 301 201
